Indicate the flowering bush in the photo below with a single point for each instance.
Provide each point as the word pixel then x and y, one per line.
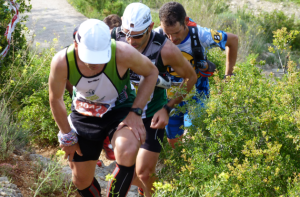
pixel 244 143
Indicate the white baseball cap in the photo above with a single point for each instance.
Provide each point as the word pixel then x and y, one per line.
pixel 138 15
pixel 94 42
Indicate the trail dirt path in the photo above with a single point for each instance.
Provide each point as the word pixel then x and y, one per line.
pixel 51 19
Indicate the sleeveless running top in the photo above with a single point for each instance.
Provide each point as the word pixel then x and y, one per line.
pixel 156 42
pixel 103 92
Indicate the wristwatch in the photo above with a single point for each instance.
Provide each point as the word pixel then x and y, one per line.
pixel 138 111
pixel 169 109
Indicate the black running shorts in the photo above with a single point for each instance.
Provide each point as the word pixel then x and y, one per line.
pixel 153 137
pixel 93 130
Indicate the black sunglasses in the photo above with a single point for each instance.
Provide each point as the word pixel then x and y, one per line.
pixel 137 36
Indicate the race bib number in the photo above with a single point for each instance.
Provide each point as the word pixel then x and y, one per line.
pixel 91 109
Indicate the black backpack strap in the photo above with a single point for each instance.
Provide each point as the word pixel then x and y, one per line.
pixel 196 46
pixel 161 31
pixel 158 39
pixel 113 33
pixel 161 40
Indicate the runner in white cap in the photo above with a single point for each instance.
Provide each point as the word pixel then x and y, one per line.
pixel 105 105
pixel 137 31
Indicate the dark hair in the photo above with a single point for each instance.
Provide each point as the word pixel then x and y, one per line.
pixel 172 12
pixel 112 21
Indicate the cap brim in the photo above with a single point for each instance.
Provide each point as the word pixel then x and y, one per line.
pixel 138 28
pixel 94 57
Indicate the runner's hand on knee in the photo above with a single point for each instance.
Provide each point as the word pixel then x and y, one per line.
pixel 136 125
pixel 70 151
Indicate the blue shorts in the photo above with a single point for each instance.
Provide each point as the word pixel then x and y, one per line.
pixel 174 128
pixel 176 122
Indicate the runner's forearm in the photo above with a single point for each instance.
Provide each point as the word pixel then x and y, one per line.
pixel 60 115
pixel 145 89
pixel 231 53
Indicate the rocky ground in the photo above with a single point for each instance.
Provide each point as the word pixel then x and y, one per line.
pixel 22 173
pixel 9 189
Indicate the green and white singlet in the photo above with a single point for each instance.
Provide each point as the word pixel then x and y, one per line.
pixel 96 95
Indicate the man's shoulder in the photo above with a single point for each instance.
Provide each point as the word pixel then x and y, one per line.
pixel 60 58
pixel 59 65
pixel 125 52
pixel 169 50
pixel 123 47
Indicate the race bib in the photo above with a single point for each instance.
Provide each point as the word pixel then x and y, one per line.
pixel 91 109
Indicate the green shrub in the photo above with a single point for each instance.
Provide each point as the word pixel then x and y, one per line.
pixel 22 81
pixel 218 57
pixel 244 143
pixel 12 135
pixel 37 117
pixel 287 1
pixel 52 181
pixel 276 20
pixel 34 110
pixel 99 9
pixel 18 38
pixel 26 92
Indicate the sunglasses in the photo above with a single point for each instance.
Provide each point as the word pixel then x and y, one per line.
pixel 137 36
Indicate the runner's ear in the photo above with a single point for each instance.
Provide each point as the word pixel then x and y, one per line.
pixel 151 26
pixel 186 20
pixel 75 43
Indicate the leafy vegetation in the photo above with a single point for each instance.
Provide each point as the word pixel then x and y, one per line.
pixel 26 92
pixel 99 9
pixel 52 180
pixel 286 1
pixel 12 135
pixel 18 41
pixel 245 142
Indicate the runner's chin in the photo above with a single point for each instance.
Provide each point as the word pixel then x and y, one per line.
pixel 176 42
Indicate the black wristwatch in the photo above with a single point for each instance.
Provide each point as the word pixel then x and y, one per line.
pixel 169 109
pixel 138 111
